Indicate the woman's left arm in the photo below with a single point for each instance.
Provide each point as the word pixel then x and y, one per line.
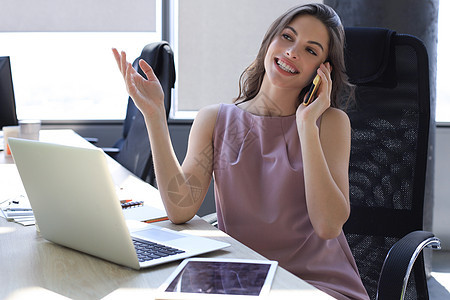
pixel 326 153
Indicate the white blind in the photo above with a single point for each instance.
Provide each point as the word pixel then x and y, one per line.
pixel 77 15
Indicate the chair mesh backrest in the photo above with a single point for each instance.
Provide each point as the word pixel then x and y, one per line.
pixel 135 152
pixel 390 124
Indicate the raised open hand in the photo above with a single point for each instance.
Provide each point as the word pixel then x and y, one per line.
pixel 146 93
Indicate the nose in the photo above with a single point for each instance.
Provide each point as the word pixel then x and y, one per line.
pixel 292 53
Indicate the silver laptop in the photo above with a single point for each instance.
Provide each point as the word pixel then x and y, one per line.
pixel 75 203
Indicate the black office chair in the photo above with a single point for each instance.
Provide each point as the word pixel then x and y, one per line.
pixel 133 150
pixel 389 153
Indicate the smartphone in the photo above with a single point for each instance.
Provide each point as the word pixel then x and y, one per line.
pixel 312 91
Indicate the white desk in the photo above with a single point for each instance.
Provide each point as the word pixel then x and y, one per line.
pixel 31 267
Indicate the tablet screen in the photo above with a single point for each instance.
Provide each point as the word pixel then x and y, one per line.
pixel 222 277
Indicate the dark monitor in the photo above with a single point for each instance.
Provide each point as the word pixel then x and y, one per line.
pixel 8 116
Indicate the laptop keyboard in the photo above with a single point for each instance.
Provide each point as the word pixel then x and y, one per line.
pixel 148 250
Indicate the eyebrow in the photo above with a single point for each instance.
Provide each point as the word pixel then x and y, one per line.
pixel 310 42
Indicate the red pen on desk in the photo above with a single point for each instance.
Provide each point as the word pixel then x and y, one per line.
pixel 157 220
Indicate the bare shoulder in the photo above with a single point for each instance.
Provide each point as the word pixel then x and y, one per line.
pixel 335 116
pixel 208 113
pixel 335 128
pixel 206 119
pixel 335 119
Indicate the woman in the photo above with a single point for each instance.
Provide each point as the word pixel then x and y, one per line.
pixel 280 167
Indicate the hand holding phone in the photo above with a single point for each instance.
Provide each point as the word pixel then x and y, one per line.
pixel 312 91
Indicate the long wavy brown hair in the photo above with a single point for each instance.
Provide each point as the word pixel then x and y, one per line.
pixel 251 79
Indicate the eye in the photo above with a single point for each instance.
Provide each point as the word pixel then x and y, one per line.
pixel 311 51
pixel 286 36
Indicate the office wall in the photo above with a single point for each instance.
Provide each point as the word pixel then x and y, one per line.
pixel 441 219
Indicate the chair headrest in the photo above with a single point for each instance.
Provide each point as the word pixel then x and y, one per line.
pixel 369 56
pixel 159 56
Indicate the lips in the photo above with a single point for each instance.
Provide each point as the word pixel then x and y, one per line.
pixel 286 66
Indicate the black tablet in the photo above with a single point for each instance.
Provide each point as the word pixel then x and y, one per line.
pixel 201 278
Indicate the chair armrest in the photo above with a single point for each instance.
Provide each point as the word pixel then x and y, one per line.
pixel 211 219
pixel 400 261
pixel 92 140
pixel 111 151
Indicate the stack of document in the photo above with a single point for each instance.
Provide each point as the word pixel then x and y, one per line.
pixel 21 216
pixel 18 209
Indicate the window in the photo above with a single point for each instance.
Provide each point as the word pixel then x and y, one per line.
pixel 443 64
pixel 61 58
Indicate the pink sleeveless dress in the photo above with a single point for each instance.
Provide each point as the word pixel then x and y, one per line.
pixel 260 200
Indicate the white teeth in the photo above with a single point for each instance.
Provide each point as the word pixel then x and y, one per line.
pixel 285 67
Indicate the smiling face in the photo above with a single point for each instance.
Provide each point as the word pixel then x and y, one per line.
pixel 294 55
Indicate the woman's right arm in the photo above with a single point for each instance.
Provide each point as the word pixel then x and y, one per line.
pixel 182 188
